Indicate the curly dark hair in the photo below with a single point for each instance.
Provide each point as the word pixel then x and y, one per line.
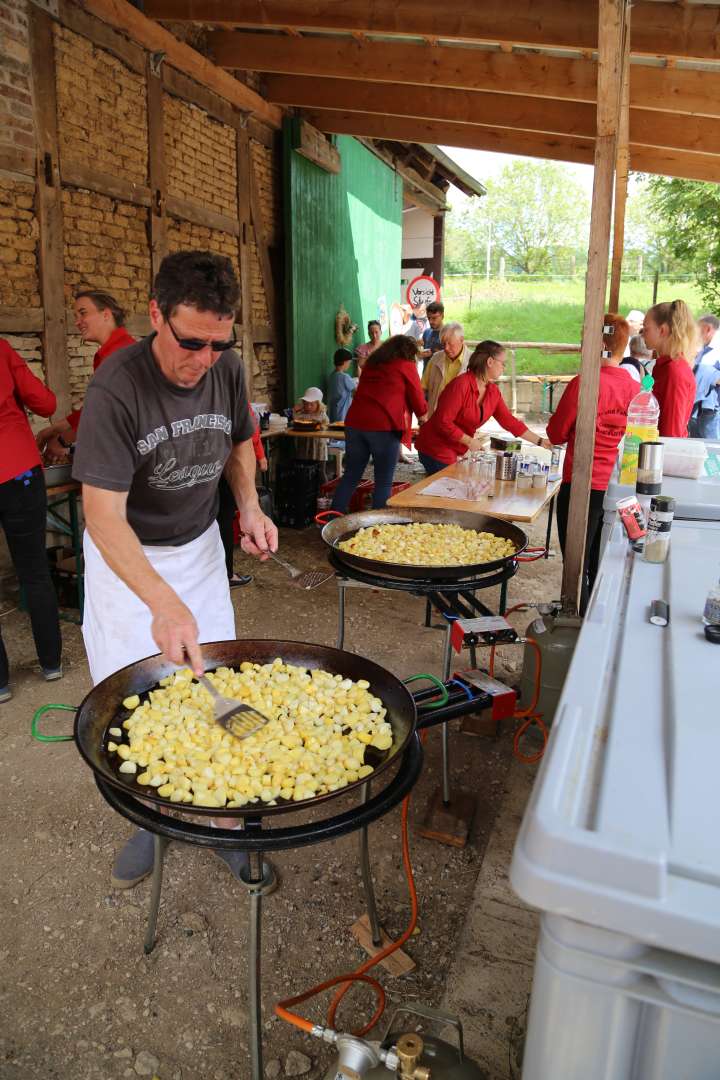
pixel 202 279
pixel 104 301
pixel 399 347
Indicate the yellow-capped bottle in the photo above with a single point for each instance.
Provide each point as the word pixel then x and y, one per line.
pixel 642 426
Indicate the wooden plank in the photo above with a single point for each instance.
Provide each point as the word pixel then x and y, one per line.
pixel 77 174
pixel 313 145
pixel 78 20
pixel 244 170
pixel 397 963
pixel 622 163
pixel 49 206
pixel 156 167
pixel 17 160
pixel 264 334
pixel 664 162
pixel 432 103
pixel 409 63
pixel 471 136
pixel 660 28
pixel 421 192
pixel 610 60
pixel 194 93
pixel 190 210
pixel 512 111
pixel 123 16
pixel 21 320
pixel 448 823
pixel 261 132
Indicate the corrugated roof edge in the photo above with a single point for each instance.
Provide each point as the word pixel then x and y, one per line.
pixel 461 178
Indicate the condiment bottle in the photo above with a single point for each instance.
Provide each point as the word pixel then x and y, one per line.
pixel 711 611
pixel 657 541
pixel 650 468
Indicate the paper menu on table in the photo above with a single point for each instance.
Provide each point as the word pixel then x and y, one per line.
pixel 445 487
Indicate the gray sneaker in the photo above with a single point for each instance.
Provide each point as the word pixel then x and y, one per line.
pixel 134 862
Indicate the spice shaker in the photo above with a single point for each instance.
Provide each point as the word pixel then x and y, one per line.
pixel 650 468
pixel 657 541
pixel 711 611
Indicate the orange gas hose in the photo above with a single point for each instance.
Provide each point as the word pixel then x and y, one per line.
pixel 283 1009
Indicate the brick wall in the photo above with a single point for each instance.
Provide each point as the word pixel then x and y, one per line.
pixel 200 157
pixel 102 110
pixel 18 244
pixel 102 123
pixel 16 114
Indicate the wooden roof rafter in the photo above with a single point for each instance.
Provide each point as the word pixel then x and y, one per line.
pixel 660 27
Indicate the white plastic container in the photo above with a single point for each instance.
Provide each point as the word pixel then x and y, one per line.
pixel 619 842
pixel 684 457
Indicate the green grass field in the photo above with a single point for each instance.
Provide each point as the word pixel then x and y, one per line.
pixel 542 311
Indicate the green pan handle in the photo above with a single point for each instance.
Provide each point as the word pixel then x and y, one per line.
pixel 444 696
pixel 40 713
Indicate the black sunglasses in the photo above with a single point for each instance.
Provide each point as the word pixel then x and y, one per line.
pixel 195 344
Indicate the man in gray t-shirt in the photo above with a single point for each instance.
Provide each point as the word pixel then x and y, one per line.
pixel 163 420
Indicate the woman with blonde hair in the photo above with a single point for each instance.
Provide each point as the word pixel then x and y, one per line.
pixel 671 331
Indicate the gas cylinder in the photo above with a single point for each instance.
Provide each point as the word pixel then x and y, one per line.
pixel 556 635
pixel 411 1056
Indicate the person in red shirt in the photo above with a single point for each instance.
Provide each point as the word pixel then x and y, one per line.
pixel 672 332
pixel 465 405
pixel 228 509
pixel 616 391
pixel 100 319
pixel 23 509
pixel 388 393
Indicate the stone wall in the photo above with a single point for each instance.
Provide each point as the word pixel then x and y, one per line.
pixel 16 114
pixel 19 286
pixel 200 157
pixel 102 109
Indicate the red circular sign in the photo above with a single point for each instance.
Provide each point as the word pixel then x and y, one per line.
pixel 422 290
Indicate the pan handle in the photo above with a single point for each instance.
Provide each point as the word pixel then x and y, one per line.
pixel 40 713
pixel 327 515
pixel 444 696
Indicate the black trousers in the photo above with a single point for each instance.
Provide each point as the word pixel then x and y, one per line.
pixel 592 537
pixel 225 518
pixel 23 516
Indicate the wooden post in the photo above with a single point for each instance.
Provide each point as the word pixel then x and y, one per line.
pixel 244 165
pixel 610 56
pixel 513 382
pixel 156 164
pixel 621 174
pixel 49 207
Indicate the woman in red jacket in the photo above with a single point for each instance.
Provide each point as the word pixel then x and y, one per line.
pixel 100 319
pixel 672 332
pixel 388 392
pixel 616 390
pixel 466 404
pixel 23 509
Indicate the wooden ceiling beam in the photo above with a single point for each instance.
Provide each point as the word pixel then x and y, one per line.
pixel 531 75
pixel 473 137
pixel 658 28
pixel 665 162
pixel 647 128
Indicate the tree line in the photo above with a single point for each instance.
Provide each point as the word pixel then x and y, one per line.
pixel 535 218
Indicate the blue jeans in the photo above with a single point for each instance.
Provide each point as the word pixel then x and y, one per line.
pixel 706 425
pixel 383 447
pixel 431 464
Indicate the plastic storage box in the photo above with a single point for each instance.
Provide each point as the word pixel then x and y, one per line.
pixel 619 843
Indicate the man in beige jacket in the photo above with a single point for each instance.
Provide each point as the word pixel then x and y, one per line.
pixel 445 365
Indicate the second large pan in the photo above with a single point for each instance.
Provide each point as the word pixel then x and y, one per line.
pixel 102 708
pixel 342 528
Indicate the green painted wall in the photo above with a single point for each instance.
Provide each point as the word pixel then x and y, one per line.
pixel 343 245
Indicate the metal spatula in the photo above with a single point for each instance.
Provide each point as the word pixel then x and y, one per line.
pixel 236 717
pixel 304 579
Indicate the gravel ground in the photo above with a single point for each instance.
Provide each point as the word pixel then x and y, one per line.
pixel 80 1000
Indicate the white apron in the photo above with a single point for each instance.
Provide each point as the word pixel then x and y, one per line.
pixel 116 623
